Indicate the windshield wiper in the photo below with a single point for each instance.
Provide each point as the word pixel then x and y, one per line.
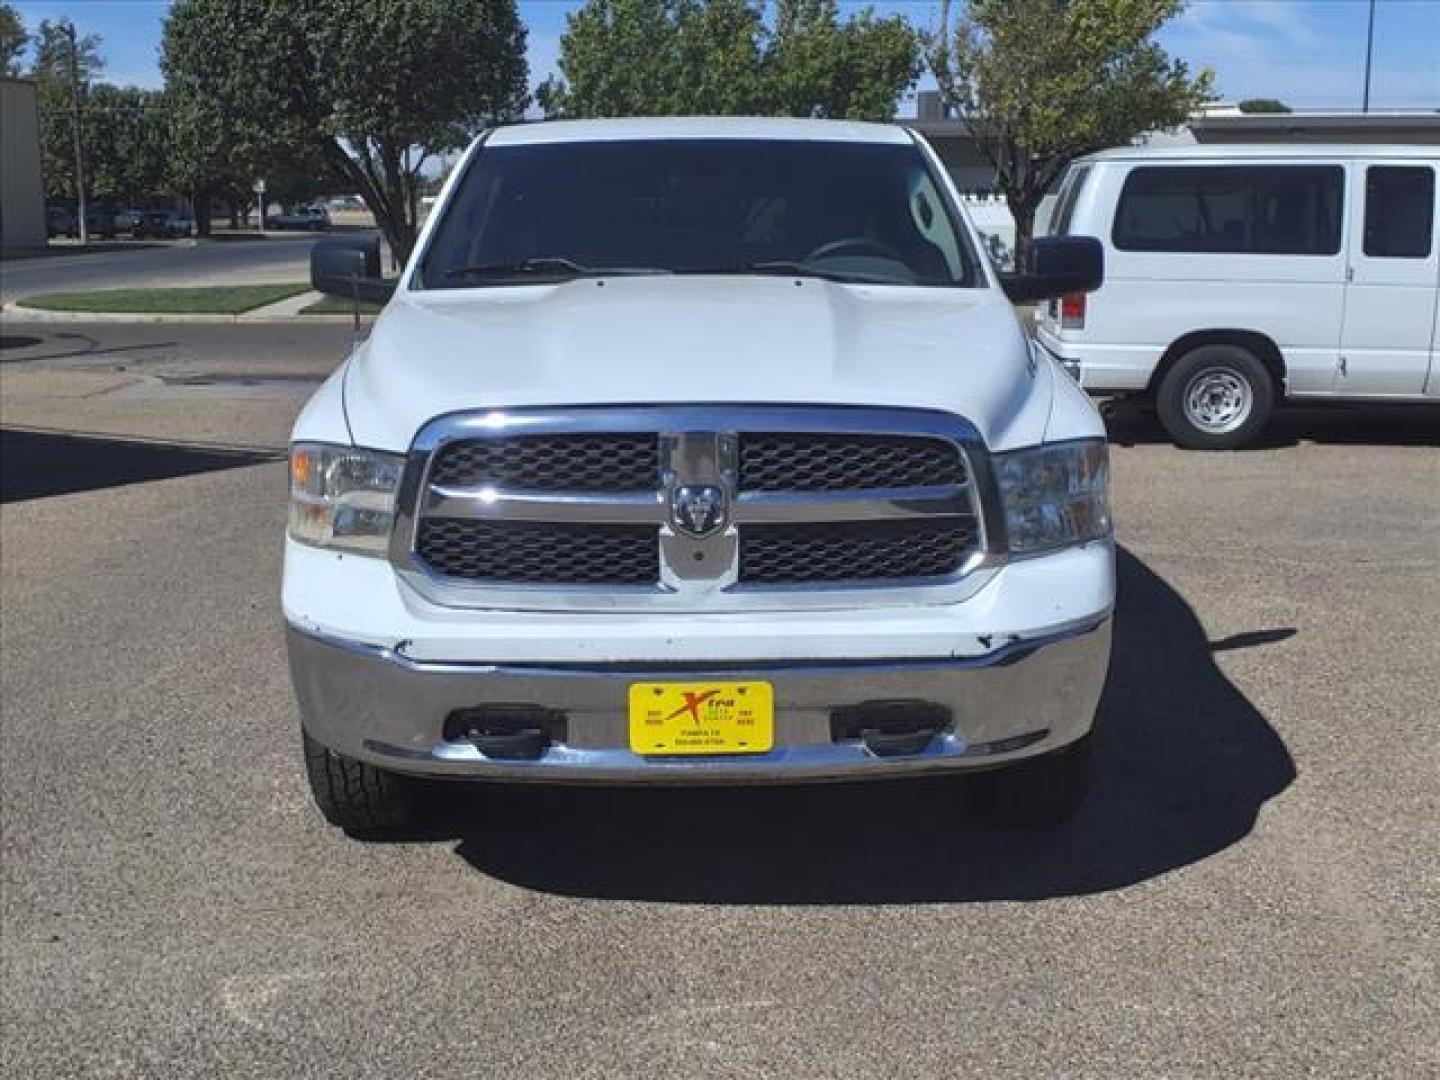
pixel 787 268
pixel 546 266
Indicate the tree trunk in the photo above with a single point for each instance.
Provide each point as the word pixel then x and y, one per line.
pixel 1022 206
pixel 378 187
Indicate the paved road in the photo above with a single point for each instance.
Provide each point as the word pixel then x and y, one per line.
pixel 1254 889
pixel 279 257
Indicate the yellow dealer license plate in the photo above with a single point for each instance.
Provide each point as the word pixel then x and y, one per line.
pixel 702 718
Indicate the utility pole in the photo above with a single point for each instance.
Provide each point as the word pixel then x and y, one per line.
pixel 68 28
pixel 1369 49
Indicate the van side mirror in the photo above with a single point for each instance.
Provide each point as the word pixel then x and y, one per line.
pixel 349 268
pixel 1057 265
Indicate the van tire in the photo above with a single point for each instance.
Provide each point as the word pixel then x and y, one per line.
pixel 1226 385
pixel 1043 792
pixel 358 797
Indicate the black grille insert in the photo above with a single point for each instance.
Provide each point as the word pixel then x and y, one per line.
pixel 857 551
pixel 552 553
pixel 565 462
pixel 805 461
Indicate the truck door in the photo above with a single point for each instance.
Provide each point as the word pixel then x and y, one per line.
pixel 1392 276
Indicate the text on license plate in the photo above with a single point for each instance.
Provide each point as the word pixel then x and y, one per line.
pixel 702 718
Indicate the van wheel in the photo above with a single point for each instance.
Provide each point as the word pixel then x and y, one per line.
pixel 1216 397
pixel 358 797
pixel 1044 791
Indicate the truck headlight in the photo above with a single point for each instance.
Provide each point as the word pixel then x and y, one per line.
pixel 343 496
pixel 1055 495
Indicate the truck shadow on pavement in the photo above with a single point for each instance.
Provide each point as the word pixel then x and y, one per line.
pixel 1183 764
pixel 36 464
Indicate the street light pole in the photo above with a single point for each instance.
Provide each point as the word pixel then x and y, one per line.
pixel 1369 50
pixel 69 30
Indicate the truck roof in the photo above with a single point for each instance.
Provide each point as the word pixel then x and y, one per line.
pixel 697 127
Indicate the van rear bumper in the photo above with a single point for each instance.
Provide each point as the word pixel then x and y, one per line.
pixel 1103 368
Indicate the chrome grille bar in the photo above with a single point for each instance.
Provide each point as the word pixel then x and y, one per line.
pixel 698 464
pixel 489 503
pixel 862 505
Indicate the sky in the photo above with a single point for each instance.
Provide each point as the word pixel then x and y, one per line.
pixel 1308 53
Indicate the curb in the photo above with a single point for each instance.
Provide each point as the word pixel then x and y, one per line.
pixel 16 311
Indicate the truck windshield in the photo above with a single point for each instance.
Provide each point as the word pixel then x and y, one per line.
pixel 846 211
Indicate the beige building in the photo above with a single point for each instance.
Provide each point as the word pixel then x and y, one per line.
pixel 22 193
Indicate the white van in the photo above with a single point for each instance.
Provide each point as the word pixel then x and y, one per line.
pixel 1237 276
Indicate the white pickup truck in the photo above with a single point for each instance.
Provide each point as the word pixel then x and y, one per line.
pixel 698 451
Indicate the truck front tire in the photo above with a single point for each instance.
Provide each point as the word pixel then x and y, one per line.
pixel 1044 791
pixel 1216 397
pixel 358 797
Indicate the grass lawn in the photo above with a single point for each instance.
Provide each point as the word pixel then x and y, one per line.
pixel 207 300
pixel 334 305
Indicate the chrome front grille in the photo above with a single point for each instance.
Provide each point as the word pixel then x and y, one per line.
pixel 695 508
pixel 811 461
pixel 825 553
pixel 559 462
pixel 533 552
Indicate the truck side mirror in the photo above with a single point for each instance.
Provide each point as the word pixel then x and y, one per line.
pixel 1057 265
pixel 349 268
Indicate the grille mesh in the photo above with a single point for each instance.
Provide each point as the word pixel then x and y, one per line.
pixel 553 553
pixel 605 462
pixel 802 461
pixel 853 551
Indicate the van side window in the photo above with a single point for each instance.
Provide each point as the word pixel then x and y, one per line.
pixel 1231 209
pixel 1399 211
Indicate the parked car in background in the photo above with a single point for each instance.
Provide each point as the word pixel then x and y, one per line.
pixel 732 464
pixel 309 218
pixel 60 221
pixel 1237 277
pixel 100 221
pixel 161 224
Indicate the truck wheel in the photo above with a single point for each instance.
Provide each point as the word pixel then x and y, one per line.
pixel 1047 790
pixel 358 797
pixel 1216 397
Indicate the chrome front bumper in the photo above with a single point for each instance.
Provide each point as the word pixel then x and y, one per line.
pixel 1024 698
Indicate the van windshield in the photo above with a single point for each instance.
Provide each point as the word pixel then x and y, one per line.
pixel 852 212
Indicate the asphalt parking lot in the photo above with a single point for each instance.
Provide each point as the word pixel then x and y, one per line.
pixel 1254 888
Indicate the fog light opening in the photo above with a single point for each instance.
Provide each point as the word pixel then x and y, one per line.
pixel 890 728
pixel 507 732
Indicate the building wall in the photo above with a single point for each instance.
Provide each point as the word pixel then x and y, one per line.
pixel 1374 128
pixel 963 160
pixel 22 194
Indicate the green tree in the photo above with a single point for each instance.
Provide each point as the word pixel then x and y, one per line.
pixel 1041 82
pixel 719 57
pixel 658 58
pixel 1263 105
pixel 369 88
pixel 126 147
pixel 855 70
pixel 13 40
pixel 54 97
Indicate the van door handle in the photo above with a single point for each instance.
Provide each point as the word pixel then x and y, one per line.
pixel 1349 274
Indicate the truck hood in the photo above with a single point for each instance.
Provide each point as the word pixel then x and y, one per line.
pixel 696 340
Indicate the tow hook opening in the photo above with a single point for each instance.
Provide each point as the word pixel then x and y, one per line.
pixel 890 728
pixel 507 732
